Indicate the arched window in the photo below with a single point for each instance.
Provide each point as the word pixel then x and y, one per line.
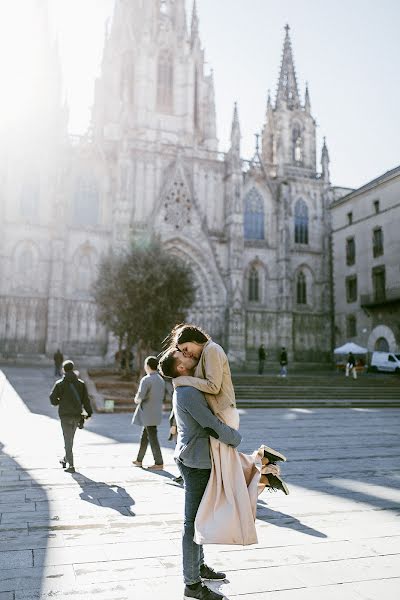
pixel 85 267
pixel 351 326
pixel 26 260
pixel 254 216
pixel 165 82
pixel 301 288
pixel 254 285
pixel 301 222
pixel 382 345
pixel 86 201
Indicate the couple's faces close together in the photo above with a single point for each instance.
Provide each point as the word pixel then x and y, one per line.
pixel 188 355
pixel 190 350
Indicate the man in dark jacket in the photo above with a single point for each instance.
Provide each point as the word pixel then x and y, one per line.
pixel 58 361
pixel 262 355
pixel 283 361
pixel 70 394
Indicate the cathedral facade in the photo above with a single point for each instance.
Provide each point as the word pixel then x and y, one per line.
pixel 256 233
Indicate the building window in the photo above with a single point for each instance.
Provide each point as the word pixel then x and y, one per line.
pixel 351 288
pixel 350 251
pixel 382 345
pixel 254 285
pixel 377 242
pixel 301 222
pixel 301 289
pixel 165 82
pixel 86 201
pixel 379 282
pixel 376 206
pixel 351 326
pixel 349 218
pixel 254 216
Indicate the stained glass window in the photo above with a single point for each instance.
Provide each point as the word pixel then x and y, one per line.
pixel 301 222
pixel 254 216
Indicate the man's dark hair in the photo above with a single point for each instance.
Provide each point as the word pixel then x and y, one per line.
pixel 152 362
pixel 68 365
pixel 189 333
pixel 168 363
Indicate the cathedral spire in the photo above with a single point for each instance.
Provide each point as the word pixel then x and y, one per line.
pixel 235 131
pixel 307 104
pixel 180 16
pixel 195 23
pixel 325 163
pixel 288 93
pixel 269 106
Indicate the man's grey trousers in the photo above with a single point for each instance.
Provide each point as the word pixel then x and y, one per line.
pixel 69 426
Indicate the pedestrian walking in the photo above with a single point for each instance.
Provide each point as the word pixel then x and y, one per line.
pixel 148 414
pixel 261 359
pixel 351 365
pixel 58 361
pixel 283 361
pixel 70 395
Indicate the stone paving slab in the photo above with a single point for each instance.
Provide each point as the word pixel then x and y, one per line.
pixel 113 532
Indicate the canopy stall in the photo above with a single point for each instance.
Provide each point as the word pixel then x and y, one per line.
pixel 359 352
pixel 350 347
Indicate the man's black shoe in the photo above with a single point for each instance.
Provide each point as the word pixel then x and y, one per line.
pixel 70 470
pixel 273 455
pixel 277 483
pixel 63 463
pixel 211 575
pixel 201 592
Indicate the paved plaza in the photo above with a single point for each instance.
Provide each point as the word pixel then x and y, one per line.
pixel 113 532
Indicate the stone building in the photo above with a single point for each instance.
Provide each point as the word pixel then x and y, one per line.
pixel 256 233
pixel 366 264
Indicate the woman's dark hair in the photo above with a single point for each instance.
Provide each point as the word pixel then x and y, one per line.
pixel 189 333
pixel 167 364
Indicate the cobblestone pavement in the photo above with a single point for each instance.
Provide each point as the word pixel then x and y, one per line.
pixel 112 531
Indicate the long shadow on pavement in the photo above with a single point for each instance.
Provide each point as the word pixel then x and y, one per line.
pixel 20 544
pixel 104 495
pixel 280 519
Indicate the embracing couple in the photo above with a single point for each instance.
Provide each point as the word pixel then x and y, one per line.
pixel 221 484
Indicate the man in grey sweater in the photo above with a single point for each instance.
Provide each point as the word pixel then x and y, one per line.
pixel 195 423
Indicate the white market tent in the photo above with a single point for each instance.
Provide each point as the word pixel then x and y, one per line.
pixel 350 347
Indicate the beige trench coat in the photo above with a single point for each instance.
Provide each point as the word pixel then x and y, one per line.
pixel 227 512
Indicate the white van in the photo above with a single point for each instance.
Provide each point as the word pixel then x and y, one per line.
pixel 385 361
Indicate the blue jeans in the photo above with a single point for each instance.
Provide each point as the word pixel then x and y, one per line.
pixel 193 556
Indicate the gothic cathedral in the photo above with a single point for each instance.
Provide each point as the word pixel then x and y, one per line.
pixel 256 233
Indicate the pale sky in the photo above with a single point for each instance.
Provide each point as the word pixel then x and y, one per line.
pixel 347 50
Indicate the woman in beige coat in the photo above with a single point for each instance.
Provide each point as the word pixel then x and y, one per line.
pixel 227 511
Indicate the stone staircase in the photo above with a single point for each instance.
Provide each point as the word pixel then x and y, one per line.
pixel 317 390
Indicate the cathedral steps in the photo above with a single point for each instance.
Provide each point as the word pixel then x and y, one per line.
pixel 306 391
pixel 329 391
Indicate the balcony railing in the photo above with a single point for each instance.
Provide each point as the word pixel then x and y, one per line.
pixel 391 295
